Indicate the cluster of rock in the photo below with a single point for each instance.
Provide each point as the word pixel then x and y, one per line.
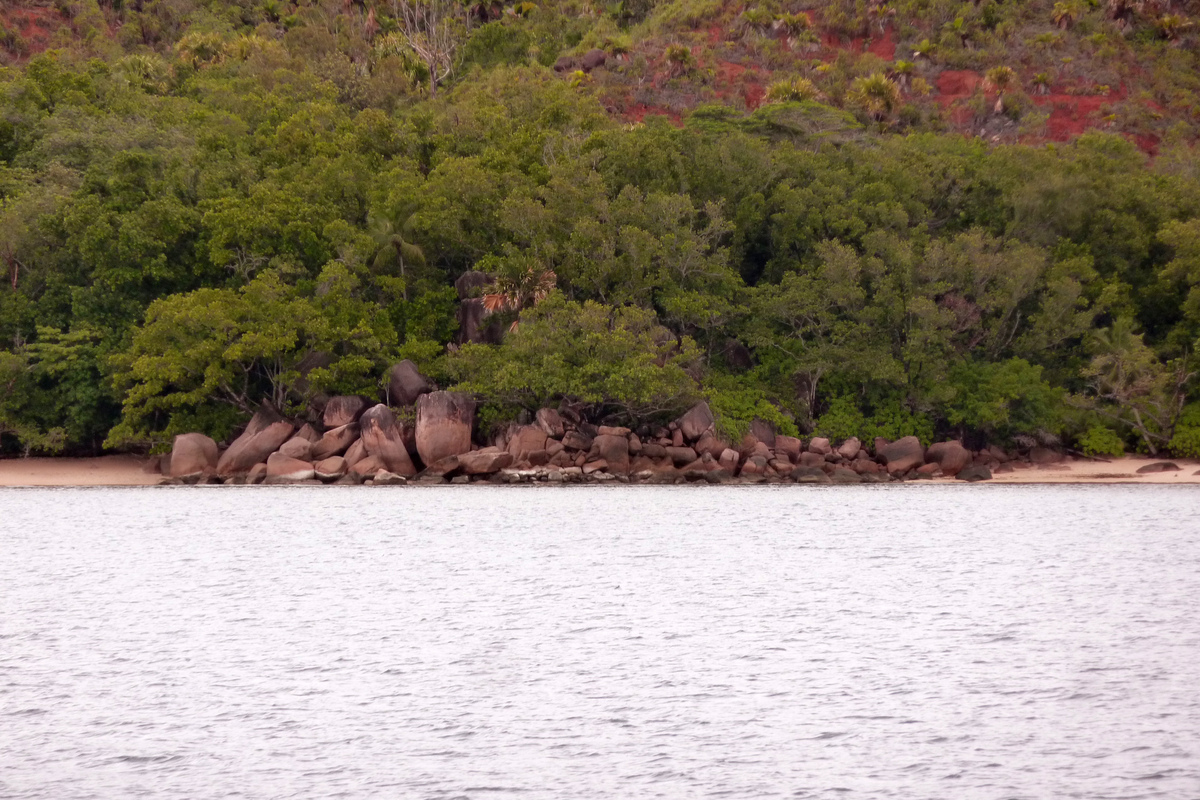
pixel 592 59
pixel 355 441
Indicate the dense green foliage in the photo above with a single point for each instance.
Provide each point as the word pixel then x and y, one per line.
pixel 238 204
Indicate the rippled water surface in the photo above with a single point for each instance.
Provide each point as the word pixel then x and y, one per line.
pixel 470 642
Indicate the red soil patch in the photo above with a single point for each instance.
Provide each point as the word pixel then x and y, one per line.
pixel 1072 114
pixel 753 95
pixel 957 83
pixel 36 26
pixel 729 74
pixel 885 46
pixel 727 71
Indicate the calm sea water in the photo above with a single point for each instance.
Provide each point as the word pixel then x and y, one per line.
pixel 600 642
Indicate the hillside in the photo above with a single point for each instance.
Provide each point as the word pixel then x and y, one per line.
pixel 844 219
pixel 1117 65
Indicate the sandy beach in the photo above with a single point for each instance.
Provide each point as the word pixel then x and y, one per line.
pixel 130 471
pixel 102 471
pixel 1119 470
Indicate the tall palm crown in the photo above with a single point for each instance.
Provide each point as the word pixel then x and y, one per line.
pixel 395 247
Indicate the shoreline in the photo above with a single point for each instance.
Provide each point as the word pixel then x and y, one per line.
pixel 128 470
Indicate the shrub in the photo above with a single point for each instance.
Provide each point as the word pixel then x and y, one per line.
pixel 796 90
pixel 1099 440
pixel 1186 441
pixel 894 421
pixel 736 403
pixel 891 420
pixel 842 420
pixel 876 95
pixel 1003 398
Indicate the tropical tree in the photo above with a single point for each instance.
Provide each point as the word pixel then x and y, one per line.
pixel 435 30
pixel 793 25
pixel 903 72
pixel 267 342
pixel 1171 26
pixel 201 49
pixel 999 80
pixel 394 246
pixel 618 359
pixel 1136 388
pixel 1066 13
pixel 680 60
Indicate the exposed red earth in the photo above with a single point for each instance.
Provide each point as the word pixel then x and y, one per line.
pixel 35 25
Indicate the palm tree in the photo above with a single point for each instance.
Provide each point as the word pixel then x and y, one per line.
pixel 756 20
pixel 999 80
pixel 679 60
pixel 519 289
pixel 1148 394
pixel 793 25
pixel 903 70
pixel 146 70
pixel 876 95
pixel 395 247
pixel 1170 26
pixel 1066 13
pixel 199 49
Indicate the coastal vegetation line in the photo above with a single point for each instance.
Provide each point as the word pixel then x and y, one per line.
pixel 210 210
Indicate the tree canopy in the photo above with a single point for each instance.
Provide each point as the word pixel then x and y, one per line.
pixel 230 204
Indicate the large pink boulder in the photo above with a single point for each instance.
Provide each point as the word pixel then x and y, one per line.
pixel 355 453
pixel 612 449
pixel 789 446
pixel 406 384
pixel 697 421
pixel 262 437
pixel 902 455
pixel 341 411
pixel 525 440
pixel 330 469
pixel 308 432
pixel 681 455
pixel 551 422
pixel 293 469
pixel 707 443
pixel 367 467
pixel 335 442
pixel 850 448
pixel 297 447
pixel 482 463
pixel 191 454
pixel 951 457
pixel 383 439
pixel 444 421
pixel 763 431
pixel 820 446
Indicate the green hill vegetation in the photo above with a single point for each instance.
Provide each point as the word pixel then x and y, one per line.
pixel 845 218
